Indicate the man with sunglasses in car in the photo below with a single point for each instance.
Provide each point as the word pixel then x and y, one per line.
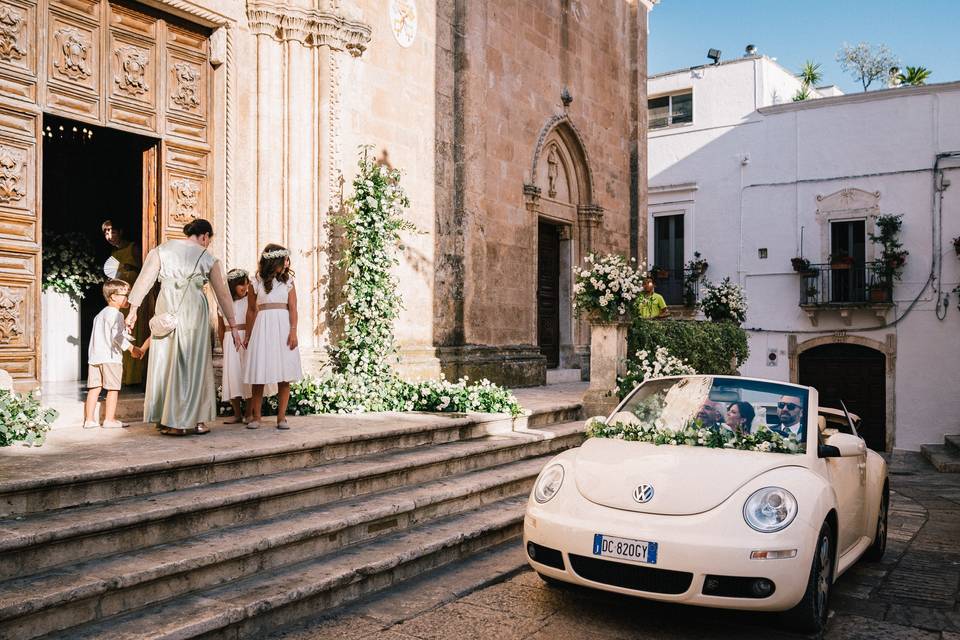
pixel 790 413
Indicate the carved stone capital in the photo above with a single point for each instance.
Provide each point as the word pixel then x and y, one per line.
pixel 590 215
pixel 311 27
pixel 531 196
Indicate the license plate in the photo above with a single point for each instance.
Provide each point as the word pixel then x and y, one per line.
pixel 625 549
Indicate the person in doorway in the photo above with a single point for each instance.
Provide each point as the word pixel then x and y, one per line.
pixel 180 393
pixel 789 412
pixel 272 355
pixel 124 264
pixel 651 304
pixel 108 344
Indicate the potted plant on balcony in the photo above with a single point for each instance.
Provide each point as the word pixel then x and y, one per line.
pixel 811 292
pixel 659 273
pixel 878 293
pixel 802 266
pixel 892 256
pixel 841 261
pixel 694 271
pixel 956 245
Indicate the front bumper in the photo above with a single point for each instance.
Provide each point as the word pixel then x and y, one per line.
pixel 715 543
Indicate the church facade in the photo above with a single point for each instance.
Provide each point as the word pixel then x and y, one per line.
pixel 520 127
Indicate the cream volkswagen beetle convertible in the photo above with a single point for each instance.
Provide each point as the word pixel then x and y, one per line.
pixel 715 491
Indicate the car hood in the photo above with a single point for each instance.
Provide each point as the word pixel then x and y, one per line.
pixel 685 479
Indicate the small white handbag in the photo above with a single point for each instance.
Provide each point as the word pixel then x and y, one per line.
pixel 163 324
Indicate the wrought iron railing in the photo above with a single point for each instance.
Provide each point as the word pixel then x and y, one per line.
pixel 845 283
pixel 677 286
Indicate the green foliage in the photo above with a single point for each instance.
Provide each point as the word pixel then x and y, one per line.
pixel 22 419
pixel 892 255
pixel 709 347
pixel 803 93
pixel 694 272
pixel 69 266
pixel 914 76
pixel 696 434
pixel 810 74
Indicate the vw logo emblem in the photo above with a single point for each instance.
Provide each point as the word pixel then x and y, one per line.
pixel 643 493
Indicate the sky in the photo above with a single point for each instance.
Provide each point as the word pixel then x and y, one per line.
pixel 919 32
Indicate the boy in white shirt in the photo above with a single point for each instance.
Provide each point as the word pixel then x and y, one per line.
pixel 108 341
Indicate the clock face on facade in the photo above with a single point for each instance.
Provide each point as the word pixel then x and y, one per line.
pixel 403 21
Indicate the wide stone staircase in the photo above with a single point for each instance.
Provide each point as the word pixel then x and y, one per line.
pixel 945 457
pixel 239 545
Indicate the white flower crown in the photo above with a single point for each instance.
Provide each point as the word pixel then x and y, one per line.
pixel 276 253
pixel 235 274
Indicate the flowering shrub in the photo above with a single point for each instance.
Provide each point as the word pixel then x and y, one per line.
pixel 372 227
pixel 606 286
pixel 646 365
pixel 724 301
pixel 695 434
pixel 22 419
pixel 69 266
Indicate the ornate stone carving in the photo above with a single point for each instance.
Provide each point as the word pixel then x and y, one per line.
pixel 12 175
pixel 11 21
pixel 132 63
pixel 574 143
pixel 186 198
pixel 590 215
pixel 73 49
pixel 850 199
pixel 312 27
pixel 553 169
pixel 11 315
pixel 186 85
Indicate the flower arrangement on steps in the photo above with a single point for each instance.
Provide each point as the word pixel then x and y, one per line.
pixel 362 377
pixel 22 419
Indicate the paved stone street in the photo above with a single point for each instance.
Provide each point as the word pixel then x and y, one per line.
pixel 911 595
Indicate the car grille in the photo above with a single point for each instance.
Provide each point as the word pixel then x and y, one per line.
pixel 545 555
pixel 629 576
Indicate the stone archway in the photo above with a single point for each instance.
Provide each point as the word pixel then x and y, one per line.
pixel 559 194
pixel 887 348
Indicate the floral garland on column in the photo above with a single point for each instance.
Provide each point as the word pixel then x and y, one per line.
pixel 372 224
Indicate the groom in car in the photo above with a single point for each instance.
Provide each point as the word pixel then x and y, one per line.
pixel 790 412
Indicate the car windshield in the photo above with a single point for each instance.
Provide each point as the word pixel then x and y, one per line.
pixel 715 412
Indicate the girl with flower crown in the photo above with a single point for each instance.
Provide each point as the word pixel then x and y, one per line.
pixel 233 387
pixel 272 355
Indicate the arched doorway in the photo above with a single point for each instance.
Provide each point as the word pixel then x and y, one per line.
pixel 856 375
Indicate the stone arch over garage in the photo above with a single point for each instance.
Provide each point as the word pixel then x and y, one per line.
pixel 558 193
pixel 887 347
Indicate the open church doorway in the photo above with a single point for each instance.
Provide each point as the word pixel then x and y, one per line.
pixel 99 200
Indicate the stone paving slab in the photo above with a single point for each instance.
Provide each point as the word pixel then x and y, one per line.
pixel 77 453
pixel 913 594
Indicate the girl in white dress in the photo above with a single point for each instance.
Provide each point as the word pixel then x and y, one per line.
pixel 272 354
pixel 233 387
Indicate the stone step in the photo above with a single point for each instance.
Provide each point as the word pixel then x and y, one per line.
pixel 943 457
pixel 256 606
pixel 81 593
pixel 182 464
pixel 557 376
pixel 952 441
pixel 41 541
pixel 129 408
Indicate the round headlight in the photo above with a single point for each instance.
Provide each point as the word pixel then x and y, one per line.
pixel 548 484
pixel 770 509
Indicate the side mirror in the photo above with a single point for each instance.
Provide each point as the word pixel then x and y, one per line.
pixel 842 445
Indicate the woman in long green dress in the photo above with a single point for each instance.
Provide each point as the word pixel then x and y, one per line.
pixel 180 392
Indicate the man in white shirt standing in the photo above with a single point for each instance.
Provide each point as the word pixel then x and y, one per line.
pixel 789 411
pixel 108 341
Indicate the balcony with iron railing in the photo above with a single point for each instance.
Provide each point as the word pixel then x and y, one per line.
pixel 845 286
pixel 677 286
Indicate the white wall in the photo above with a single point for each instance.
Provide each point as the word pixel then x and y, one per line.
pixel 884 141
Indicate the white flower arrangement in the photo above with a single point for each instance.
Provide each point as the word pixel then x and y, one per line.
pixel 69 265
pixel 695 434
pixel 724 301
pixel 606 286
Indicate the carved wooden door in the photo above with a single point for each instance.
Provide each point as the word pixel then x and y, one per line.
pixel 548 292
pixel 118 65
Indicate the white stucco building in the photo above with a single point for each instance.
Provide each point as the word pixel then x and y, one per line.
pixel 751 180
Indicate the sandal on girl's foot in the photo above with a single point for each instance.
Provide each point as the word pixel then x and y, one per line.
pixel 253 424
pixel 200 430
pixel 283 425
pixel 170 431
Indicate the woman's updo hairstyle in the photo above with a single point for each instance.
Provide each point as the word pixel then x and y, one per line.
pixel 197 227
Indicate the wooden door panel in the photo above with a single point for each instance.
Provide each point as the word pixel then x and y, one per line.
pixel 133 79
pixel 18 177
pixel 187 82
pixel 73 66
pixel 186 194
pixel 18 49
pixel 548 292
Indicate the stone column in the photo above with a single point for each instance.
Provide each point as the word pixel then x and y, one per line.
pixel 608 359
pixel 590 222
